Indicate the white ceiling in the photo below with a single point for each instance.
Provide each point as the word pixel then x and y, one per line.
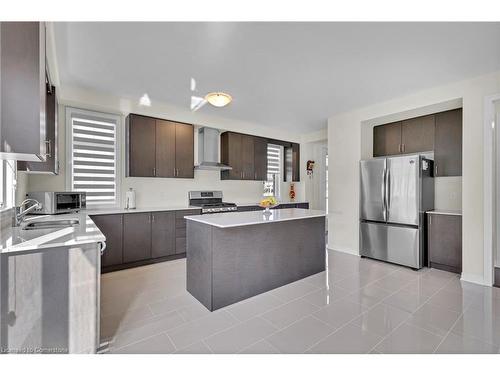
pixel 292 75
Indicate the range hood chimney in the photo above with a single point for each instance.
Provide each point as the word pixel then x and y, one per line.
pixel 208 150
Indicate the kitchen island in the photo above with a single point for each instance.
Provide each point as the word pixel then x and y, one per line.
pixel 237 255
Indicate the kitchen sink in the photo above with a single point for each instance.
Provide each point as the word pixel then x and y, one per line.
pixel 52 224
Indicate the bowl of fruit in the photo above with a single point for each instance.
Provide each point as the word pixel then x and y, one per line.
pixel 267 204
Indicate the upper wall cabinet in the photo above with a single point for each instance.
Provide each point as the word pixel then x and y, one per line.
pixel 159 148
pixel 246 154
pixel 22 91
pixel 51 164
pixel 440 132
pixel 448 143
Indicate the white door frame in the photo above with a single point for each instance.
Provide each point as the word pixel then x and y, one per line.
pixel 489 186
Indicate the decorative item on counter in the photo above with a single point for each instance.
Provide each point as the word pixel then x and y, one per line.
pixel 291 193
pixel 267 204
pixel 310 168
pixel 130 199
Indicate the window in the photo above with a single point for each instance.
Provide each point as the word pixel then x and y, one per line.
pixel 92 155
pixel 274 168
pixel 7 181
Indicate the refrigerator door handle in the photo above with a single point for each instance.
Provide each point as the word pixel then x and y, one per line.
pixel 388 191
pixel 384 190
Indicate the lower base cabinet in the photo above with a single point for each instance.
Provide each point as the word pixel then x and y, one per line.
pixel 444 242
pixel 136 237
pixel 112 227
pixel 162 234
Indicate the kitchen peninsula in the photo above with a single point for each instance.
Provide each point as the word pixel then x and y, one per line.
pixel 237 255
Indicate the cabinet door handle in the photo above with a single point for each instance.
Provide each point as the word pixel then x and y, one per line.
pixel 153 218
pixel 102 247
pixel 436 170
pixel 404 147
pixel 48 148
pixel 154 172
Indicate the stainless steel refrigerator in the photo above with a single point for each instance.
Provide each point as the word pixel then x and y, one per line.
pixel 395 192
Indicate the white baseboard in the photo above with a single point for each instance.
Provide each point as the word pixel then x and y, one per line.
pixel 473 278
pixel 347 251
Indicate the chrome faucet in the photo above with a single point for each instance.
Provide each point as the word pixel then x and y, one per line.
pixel 20 213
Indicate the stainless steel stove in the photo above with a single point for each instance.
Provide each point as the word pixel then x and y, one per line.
pixel 210 202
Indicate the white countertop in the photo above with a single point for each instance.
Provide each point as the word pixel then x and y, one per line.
pixel 238 219
pixel 118 210
pixel 445 212
pixel 17 240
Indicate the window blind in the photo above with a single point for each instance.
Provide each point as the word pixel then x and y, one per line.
pixel 273 159
pixel 93 155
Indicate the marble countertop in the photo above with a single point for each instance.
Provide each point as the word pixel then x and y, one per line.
pixel 445 212
pixel 14 240
pixel 238 219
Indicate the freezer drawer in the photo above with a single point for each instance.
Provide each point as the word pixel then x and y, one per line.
pixel 395 244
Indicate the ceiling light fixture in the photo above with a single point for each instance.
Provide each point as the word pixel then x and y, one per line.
pixel 218 99
pixel 145 101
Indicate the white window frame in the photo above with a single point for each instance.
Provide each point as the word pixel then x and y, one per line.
pixel 279 179
pixel 7 184
pixel 70 111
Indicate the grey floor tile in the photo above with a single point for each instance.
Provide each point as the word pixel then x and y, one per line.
pixel 423 288
pixel 301 335
pixel 293 290
pixel 193 311
pixel 353 283
pixel 390 283
pixel 254 306
pixel 457 344
pixel 173 303
pixel 480 325
pixel 348 339
pixel 368 296
pixel 404 300
pixel 382 319
pixel 260 347
pixel 159 344
pixel 339 313
pixel 240 336
pixel 199 329
pixel 324 296
pixel 151 328
pixel 286 314
pixel 435 319
pixel 197 348
pixel 408 339
pixel 453 301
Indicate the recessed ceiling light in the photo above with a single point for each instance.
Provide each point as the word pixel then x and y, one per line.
pixel 145 101
pixel 218 99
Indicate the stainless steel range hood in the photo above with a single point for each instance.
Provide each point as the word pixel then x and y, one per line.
pixel 208 150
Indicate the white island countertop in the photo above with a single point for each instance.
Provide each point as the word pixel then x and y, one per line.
pixel 16 240
pixel 239 219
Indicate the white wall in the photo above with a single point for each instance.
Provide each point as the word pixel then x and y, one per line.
pixel 153 191
pixel 345 151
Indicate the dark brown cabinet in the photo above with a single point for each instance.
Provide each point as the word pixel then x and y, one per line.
pixel 136 237
pixel 295 162
pixel 260 158
pixel 444 242
pixel 159 148
pixel 448 144
pixel 141 134
pixel 51 164
pixel 387 139
pixel 247 155
pixel 23 91
pixel 184 150
pixel 162 234
pixel 180 229
pixel 165 149
pixel 417 134
pixel 112 227
pixel 440 132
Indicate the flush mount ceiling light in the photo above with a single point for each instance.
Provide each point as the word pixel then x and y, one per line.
pixel 218 99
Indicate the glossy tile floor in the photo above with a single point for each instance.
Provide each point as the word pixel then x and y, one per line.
pixel 357 306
